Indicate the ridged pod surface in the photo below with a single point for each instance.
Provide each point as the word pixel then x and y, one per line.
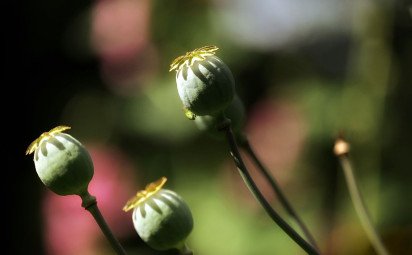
pixel 204 82
pixel 163 220
pixel 62 163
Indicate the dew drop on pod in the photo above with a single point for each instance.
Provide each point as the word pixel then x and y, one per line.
pixel 161 217
pixel 204 82
pixel 62 162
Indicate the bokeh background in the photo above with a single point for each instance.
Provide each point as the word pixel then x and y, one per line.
pixel 305 70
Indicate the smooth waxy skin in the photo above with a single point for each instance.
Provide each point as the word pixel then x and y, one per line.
pixel 163 221
pixel 205 87
pixel 63 164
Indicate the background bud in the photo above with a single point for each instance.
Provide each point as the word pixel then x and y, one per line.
pixel 235 112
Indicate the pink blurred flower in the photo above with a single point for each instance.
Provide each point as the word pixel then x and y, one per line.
pixel 69 228
pixel 120 36
pixel 276 131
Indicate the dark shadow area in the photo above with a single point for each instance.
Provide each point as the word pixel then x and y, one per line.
pixel 56 143
pixel 142 209
pixel 152 204
pixel 210 63
pixel 167 200
pixel 195 69
pixel 184 73
pixel 36 155
pixel 43 148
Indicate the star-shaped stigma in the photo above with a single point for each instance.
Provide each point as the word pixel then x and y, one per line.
pixel 35 144
pixel 192 56
pixel 143 195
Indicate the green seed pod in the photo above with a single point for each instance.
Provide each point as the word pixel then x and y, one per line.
pixel 235 112
pixel 161 217
pixel 204 82
pixel 62 162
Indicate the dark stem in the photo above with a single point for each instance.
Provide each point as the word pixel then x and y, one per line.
pixel 278 191
pixel 225 126
pixel 90 204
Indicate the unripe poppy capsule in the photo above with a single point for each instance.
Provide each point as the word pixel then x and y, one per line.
pixel 161 217
pixel 204 82
pixel 62 162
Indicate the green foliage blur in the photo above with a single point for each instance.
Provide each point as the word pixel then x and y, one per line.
pixel 101 67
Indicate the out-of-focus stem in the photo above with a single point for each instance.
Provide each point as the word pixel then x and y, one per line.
pixel 342 150
pixel 278 191
pixel 90 204
pixel 225 126
pixel 185 250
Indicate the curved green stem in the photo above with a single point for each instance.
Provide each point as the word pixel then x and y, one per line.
pixel 360 206
pixel 90 204
pixel 278 191
pixel 225 126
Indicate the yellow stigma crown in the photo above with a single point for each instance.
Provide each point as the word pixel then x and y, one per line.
pixel 35 144
pixel 192 56
pixel 143 195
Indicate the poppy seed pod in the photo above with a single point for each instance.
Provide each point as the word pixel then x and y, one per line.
pixel 161 217
pixel 235 112
pixel 204 82
pixel 62 162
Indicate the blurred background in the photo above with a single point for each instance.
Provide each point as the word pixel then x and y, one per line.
pixel 305 70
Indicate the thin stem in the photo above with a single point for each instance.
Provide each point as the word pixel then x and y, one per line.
pixel 90 204
pixel 278 191
pixel 225 126
pixel 360 206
